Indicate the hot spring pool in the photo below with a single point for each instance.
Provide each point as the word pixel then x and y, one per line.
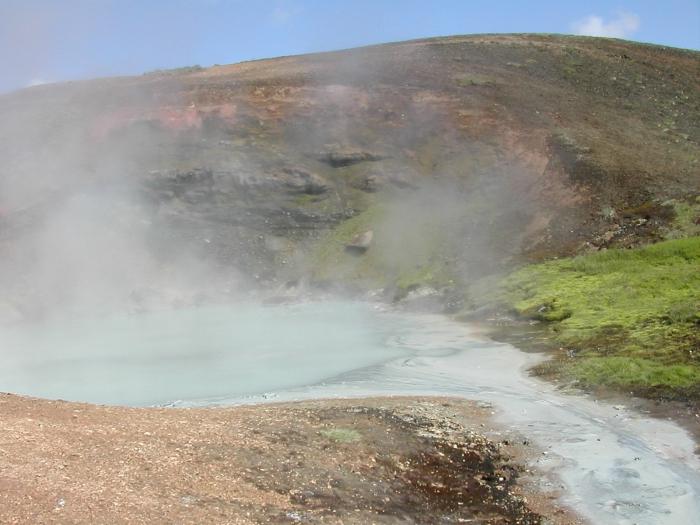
pixel 614 465
pixel 195 354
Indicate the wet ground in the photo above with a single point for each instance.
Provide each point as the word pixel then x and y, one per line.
pixel 615 465
pixel 400 460
pixel 535 338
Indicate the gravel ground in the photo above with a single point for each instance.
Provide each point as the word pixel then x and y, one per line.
pixel 383 460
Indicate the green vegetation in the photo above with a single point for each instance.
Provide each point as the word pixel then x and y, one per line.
pixel 631 317
pixel 306 199
pixel 329 261
pixel 633 371
pixel 687 221
pixel 341 435
pixel 413 258
pixel 429 274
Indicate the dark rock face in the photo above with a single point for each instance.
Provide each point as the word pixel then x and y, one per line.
pixel 342 158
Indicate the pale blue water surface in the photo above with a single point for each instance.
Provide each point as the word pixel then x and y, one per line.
pixel 191 354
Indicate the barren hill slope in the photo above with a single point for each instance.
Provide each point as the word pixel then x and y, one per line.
pixel 464 156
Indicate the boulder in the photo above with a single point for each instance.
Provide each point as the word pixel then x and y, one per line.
pixel 298 180
pixel 366 183
pixel 360 243
pixel 339 158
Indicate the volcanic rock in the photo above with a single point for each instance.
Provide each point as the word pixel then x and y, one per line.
pixel 360 243
pixel 342 158
pixel 299 180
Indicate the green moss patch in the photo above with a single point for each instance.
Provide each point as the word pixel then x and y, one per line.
pixel 341 435
pixel 632 317
pixel 632 372
pixel 430 274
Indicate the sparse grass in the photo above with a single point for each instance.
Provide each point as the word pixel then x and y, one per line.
pixel 330 261
pixel 305 200
pixel 402 262
pixel 341 435
pixel 631 316
pixel 432 274
pixel 687 221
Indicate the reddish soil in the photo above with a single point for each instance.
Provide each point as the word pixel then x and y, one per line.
pixel 394 460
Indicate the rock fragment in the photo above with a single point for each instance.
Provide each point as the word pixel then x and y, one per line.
pixel 360 243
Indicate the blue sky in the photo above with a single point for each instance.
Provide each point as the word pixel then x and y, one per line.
pixel 54 40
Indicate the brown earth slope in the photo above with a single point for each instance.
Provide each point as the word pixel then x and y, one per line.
pixel 506 148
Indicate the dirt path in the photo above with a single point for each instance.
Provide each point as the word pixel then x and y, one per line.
pixel 382 460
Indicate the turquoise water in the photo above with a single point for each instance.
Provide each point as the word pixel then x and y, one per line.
pixel 190 354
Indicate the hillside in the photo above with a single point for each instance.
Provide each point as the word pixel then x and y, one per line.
pixel 421 172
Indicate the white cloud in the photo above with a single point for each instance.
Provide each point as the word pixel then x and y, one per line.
pixel 37 82
pixel 624 25
pixel 284 12
pixel 280 15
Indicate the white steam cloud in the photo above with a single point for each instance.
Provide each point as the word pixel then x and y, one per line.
pixel 37 82
pixel 623 26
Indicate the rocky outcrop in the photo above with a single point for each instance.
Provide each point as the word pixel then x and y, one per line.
pixel 299 180
pixel 339 158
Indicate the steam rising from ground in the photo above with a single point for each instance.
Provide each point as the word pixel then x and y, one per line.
pixel 474 228
pixel 79 231
pixel 133 194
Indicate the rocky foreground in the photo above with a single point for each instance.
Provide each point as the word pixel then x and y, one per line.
pixel 391 460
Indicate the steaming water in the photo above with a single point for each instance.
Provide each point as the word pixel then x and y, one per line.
pixel 158 358
pixel 615 466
